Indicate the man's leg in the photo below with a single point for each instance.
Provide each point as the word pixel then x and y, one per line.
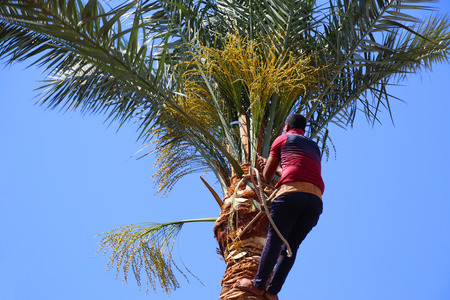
pixel 284 214
pixel 310 208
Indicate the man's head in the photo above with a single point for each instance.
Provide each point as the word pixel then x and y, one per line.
pixel 296 121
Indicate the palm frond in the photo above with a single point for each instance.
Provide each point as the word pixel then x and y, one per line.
pixel 286 22
pixel 98 66
pixel 145 248
pixel 72 40
pixel 373 45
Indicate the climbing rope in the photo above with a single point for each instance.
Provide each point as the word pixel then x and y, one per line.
pixel 260 194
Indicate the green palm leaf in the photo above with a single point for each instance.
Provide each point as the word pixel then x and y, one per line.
pixel 371 50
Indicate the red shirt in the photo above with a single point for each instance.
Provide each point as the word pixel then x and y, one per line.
pixel 300 158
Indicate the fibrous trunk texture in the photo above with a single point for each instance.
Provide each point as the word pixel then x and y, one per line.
pixel 241 237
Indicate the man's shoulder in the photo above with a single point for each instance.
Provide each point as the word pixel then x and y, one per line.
pixel 301 137
pixel 280 139
pixel 279 142
pixel 303 141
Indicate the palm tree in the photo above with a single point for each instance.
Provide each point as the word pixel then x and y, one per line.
pixel 210 84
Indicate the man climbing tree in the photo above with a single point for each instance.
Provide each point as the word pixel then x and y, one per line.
pixel 186 70
pixel 296 208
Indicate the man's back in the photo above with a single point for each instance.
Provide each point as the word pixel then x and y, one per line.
pixel 299 157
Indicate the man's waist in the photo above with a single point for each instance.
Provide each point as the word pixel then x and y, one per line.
pixel 299 186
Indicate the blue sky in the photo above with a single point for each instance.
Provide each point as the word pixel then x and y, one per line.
pixel 64 178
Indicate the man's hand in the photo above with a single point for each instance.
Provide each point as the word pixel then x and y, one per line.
pixel 262 162
pixel 271 168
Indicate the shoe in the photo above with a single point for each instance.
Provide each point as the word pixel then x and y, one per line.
pixel 247 285
pixel 270 296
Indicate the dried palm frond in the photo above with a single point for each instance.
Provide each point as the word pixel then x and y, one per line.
pixel 145 247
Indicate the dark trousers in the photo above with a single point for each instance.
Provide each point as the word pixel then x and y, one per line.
pixel 294 214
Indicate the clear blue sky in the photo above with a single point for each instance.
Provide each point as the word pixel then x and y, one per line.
pixel 384 233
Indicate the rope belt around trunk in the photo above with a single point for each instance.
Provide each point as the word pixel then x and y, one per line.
pixel 264 202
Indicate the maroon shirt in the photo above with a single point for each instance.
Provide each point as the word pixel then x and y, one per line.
pixel 300 158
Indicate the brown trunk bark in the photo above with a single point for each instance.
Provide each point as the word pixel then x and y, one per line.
pixel 239 244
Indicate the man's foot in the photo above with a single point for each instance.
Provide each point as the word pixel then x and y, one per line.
pixel 270 296
pixel 247 285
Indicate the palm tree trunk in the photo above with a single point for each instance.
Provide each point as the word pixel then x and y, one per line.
pixel 241 237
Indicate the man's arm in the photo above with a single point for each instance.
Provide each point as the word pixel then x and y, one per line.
pixel 271 168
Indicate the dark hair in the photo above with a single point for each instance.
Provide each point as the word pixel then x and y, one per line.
pixel 296 121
